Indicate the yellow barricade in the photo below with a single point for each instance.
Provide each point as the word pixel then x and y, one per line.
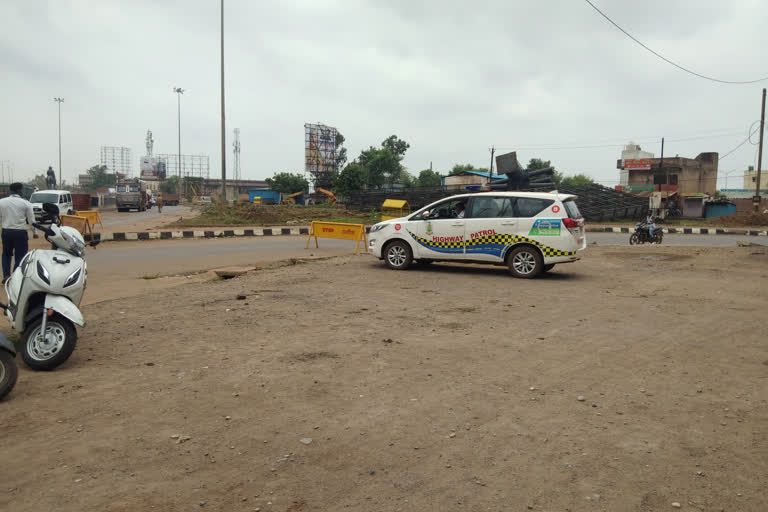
pixel 92 216
pixel 341 230
pixel 79 223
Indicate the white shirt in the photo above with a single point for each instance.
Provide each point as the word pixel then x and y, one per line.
pixel 16 212
pixel 460 215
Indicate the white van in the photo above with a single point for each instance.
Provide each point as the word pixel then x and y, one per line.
pixel 61 198
pixel 530 232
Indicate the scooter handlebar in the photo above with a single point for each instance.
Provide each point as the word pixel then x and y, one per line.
pixel 46 230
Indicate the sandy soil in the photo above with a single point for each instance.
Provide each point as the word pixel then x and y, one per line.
pixel 439 388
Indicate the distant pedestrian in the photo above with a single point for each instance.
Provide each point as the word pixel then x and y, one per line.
pixel 159 202
pixel 15 214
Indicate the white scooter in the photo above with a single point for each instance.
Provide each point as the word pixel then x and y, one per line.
pixel 44 294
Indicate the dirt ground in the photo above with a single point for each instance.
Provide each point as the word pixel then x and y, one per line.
pixel 632 380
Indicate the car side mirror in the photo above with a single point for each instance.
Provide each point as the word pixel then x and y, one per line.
pixel 425 214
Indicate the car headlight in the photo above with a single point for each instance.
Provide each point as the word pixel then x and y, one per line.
pixel 43 273
pixel 378 227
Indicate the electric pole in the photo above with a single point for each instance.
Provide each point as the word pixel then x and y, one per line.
pixel 223 132
pixel 756 201
pixel 179 91
pixel 490 168
pixel 59 101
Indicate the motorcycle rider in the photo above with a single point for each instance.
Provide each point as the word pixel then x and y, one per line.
pixel 651 228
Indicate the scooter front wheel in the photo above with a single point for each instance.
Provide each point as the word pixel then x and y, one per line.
pixel 49 351
pixel 8 372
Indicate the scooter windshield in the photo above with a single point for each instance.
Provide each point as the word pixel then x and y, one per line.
pixel 71 245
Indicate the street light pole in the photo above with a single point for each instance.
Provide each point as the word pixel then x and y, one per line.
pixel 179 91
pixel 223 133
pixel 59 101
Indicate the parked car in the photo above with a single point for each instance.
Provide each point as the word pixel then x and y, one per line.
pixel 529 232
pixel 61 198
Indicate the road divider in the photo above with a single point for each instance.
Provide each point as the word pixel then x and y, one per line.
pixel 293 231
pixel 338 230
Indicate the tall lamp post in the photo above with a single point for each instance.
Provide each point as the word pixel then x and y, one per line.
pixel 59 101
pixel 179 91
pixel 223 134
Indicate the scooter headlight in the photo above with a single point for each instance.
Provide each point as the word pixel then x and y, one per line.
pixel 73 277
pixel 42 272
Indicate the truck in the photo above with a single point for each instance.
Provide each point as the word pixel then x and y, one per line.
pixel 131 194
pixel 171 199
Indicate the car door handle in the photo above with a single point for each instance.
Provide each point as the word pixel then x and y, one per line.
pixel 509 223
pixel 457 224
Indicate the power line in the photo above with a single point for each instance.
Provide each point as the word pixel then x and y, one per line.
pixel 669 61
pixel 748 139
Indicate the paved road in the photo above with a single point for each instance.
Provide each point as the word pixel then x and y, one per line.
pixel 117 221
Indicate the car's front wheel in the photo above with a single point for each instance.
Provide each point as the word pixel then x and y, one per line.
pixel 398 255
pixel 525 262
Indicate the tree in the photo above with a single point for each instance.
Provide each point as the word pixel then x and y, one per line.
pixel 39 182
pixel 535 164
pixel 429 178
pixel 460 168
pixel 382 166
pixel 397 146
pixel 575 181
pixel 407 180
pixel 341 152
pixel 170 186
pixel 99 178
pixel 287 183
pixel 351 179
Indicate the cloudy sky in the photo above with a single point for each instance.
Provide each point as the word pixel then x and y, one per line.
pixel 452 78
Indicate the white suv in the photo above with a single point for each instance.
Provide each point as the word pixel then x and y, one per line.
pixel 530 232
pixel 61 198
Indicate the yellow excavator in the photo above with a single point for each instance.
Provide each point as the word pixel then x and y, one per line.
pixel 331 195
pixel 291 198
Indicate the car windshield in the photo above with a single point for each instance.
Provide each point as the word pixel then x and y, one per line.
pixel 38 197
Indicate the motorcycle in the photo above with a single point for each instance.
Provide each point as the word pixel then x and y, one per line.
pixel 641 235
pixel 8 370
pixel 44 294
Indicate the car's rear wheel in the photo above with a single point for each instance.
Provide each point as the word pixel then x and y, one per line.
pixel 525 262
pixel 398 255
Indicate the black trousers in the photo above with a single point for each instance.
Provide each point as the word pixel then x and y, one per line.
pixel 15 245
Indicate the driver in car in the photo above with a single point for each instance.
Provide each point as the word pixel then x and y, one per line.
pixel 459 210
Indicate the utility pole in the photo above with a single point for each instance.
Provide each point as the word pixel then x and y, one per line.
pixel 223 132
pixel 756 201
pixel 490 168
pixel 59 101
pixel 179 91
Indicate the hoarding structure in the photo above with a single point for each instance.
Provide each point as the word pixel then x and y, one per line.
pixel 116 159
pixel 192 166
pixel 319 150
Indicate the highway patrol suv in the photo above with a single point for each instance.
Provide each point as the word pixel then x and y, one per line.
pixel 530 232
